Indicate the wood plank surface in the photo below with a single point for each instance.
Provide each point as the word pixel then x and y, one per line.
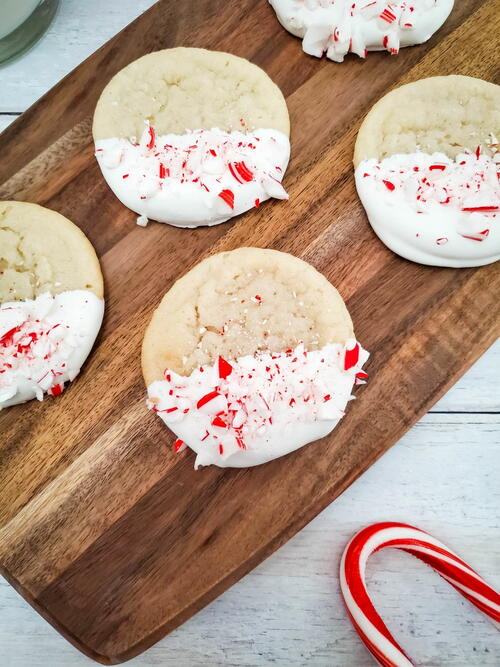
pixel 113 538
pixel 288 610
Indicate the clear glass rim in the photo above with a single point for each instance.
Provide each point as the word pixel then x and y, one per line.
pixel 25 36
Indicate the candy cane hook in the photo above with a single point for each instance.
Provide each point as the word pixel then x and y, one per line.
pixel 362 613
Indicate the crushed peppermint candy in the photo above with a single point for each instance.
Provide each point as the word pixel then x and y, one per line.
pixel 469 186
pixel 199 177
pixel 44 341
pixel 339 27
pixel 244 404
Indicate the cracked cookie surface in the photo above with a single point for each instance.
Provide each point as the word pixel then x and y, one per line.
pixel 445 114
pixel 42 251
pixel 237 303
pixel 182 89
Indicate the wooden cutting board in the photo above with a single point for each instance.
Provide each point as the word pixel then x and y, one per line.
pixel 112 537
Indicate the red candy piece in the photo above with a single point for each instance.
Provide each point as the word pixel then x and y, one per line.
pixel 178 445
pixel 152 137
pixel 240 172
pixel 207 398
pixel 225 368
pixel 56 390
pixel 351 357
pixel 227 196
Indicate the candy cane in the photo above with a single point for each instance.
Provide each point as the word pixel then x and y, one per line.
pixel 362 613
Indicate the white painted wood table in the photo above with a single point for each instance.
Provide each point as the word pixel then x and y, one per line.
pixel 442 476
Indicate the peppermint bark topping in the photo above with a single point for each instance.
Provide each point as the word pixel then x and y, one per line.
pixel 31 347
pixel 234 404
pixel 43 342
pixel 469 186
pixel 225 170
pixel 338 27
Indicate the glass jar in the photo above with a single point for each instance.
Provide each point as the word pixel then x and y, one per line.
pixel 22 23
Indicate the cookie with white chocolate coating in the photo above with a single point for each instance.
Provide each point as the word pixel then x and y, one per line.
pixel 192 137
pixel 426 168
pixel 51 301
pixel 250 356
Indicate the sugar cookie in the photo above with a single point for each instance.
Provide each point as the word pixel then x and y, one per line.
pixel 249 356
pixel 192 137
pixel 51 301
pixel 427 165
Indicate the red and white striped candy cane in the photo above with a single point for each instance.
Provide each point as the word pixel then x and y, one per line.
pixel 362 613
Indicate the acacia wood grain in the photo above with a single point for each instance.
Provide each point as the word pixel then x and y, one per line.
pixel 112 537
